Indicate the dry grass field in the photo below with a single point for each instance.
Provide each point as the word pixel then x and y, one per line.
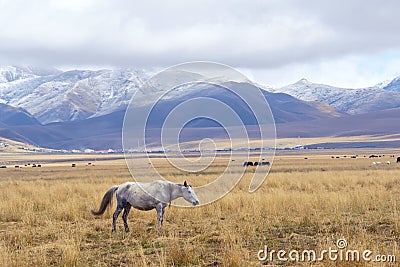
pixel 304 204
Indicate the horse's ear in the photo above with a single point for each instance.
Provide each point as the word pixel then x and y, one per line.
pixel 185 184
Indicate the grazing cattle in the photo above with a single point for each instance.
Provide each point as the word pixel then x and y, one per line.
pixel 256 163
pixel 3 166
pixel 398 160
pixel 388 162
pixel 353 157
pixel 73 165
pixel 373 156
pixel 145 196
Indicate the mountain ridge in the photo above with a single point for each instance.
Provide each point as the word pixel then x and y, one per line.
pixel 51 95
pixel 346 100
pixel 72 95
pixel 85 108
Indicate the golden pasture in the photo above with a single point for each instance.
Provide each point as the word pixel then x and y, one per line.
pixel 303 204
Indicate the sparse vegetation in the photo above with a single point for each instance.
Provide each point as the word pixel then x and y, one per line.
pixel 303 204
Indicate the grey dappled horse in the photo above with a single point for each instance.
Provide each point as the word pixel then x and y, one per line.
pixel 145 196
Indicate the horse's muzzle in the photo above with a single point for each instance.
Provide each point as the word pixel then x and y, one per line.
pixel 195 203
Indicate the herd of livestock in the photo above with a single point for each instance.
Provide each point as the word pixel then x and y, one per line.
pixel 245 164
pixel 267 163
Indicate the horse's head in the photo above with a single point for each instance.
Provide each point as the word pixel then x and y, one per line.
pixel 189 194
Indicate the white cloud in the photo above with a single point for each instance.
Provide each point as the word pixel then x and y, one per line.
pixel 353 71
pixel 270 36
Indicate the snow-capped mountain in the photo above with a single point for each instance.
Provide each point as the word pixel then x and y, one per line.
pixel 351 101
pixel 14 73
pixel 51 95
pixel 72 95
pixel 394 85
pixel 88 106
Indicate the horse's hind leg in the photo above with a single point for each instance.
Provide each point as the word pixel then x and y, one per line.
pixel 127 209
pixel 115 216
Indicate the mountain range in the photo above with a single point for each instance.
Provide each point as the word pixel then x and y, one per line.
pixel 347 100
pixel 56 96
pixel 81 109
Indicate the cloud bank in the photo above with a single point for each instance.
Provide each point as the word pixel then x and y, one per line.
pixel 255 35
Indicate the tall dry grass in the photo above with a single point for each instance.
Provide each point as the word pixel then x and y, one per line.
pixel 304 204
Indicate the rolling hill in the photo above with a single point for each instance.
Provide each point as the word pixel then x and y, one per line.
pixel 12 116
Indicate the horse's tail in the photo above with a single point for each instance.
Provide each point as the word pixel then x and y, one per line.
pixel 106 201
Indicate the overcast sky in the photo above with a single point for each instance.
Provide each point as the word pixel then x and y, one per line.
pixel 349 43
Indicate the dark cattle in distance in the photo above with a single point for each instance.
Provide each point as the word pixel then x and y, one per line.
pixel 353 157
pixel 373 156
pixel 256 163
pixel 73 165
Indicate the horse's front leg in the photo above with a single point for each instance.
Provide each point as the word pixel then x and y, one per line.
pixel 160 214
